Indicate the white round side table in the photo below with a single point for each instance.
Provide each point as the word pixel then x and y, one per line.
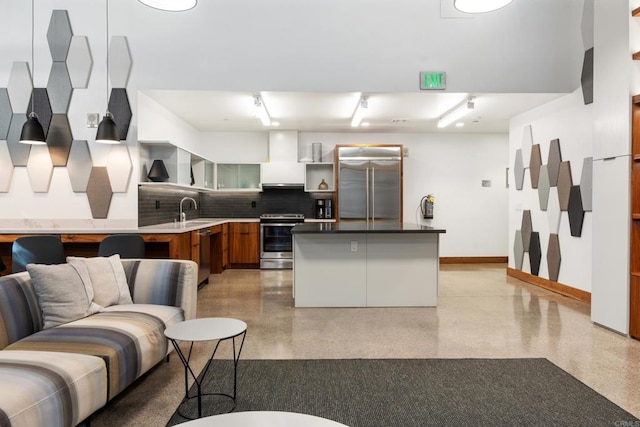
pixel 263 419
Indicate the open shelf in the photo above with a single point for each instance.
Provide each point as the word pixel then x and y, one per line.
pixel 635 12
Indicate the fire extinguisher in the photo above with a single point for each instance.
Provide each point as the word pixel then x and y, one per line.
pixel 426 205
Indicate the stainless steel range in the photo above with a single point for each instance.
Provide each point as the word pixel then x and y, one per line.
pixel 276 241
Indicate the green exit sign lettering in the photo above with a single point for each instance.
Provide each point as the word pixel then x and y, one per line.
pixel 433 80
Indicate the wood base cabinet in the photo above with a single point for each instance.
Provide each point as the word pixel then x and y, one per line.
pixel 244 244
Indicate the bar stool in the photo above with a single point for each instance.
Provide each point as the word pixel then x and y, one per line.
pixel 125 245
pixel 45 249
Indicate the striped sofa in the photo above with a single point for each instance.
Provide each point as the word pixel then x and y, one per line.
pixel 60 376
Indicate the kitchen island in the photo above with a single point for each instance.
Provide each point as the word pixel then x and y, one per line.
pixel 365 264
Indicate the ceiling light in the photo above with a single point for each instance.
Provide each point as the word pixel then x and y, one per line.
pixel 358 113
pixel 364 124
pixel 459 125
pixel 275 124
pixel 170 5
pixel 32 132
pixel 479 6
pixel 263 114
pixel 107 129
pixel 456 113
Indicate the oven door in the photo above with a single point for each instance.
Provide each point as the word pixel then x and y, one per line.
pixel 276 241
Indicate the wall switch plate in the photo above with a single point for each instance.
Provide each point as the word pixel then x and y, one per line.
pixel 486 183
pixel 354 246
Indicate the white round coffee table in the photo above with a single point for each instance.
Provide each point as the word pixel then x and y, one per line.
pixel 206 329
pixel 263 419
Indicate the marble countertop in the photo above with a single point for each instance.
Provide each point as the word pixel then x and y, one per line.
pixel 364 227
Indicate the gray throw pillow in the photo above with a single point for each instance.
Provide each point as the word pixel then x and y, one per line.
pixel 108 279
pixel 64 292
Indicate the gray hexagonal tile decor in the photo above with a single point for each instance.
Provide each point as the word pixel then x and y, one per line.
pixel 518 170
pixel 535 162
pixel 554 214
pixel 79 166
pixel 564 185
pixel 526 229
pixel 6 168
pixel 535 253
pixel 586 184
pixel 119 61
pixel 59 88
pixel 576 211
pixel 121 111
pixel 59 139
pixel 119 167
pixel 40 169
pixel 553 257
pixel 18 152
pixel 587 24
pixel 586 78
pixel 527 143
pixel 543 187
pixel 19 86
pixel 99 192
pixel 518 250
pixel 59 35
pixel 79 62
pixel 553 164
pixel 42 107
pixel 5 113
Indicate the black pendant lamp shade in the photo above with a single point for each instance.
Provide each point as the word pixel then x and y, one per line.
pixel 108 131
pixel 158 172
pixel 32 132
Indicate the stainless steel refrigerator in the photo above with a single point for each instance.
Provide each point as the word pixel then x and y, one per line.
pixel 369 182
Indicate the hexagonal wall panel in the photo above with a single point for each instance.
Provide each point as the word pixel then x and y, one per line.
pixel 42 108
pixel 553 164
pixel 526 229
pixel 535 253
pixel 518 170
pixel 119 61
pixel 586 184
pixel 121 110
pixel 587 24
pixel 535 162
pixel 79 166
pixel 18 152
pixel 99 192
pixel 564 185
pixel 19 86
pixel 554 214
pixel 119 167
pixel 59 88
pixel 527 143
pixel 59 35
pixel 5 113
pixel 543 187
pixel 79 62
pixel 586 78
pixel 40 169
pixel 576 211
pixel 6 168
pixel 553 257
pixel 518 250
pixel 59 139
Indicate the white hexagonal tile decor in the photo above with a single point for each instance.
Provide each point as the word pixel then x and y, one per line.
pixel 79 62
pixel 19 152
pixel 518 170
pixel 20 87
pixel 119 168
pixel 79 166
pixel 6 168
pixel 553 211
pixel 527 143
pixel 119 62
pixel 586 184
pixel 40 168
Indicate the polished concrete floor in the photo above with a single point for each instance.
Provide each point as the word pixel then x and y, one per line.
pixel 481 313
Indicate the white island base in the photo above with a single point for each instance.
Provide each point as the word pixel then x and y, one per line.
pixel 365 269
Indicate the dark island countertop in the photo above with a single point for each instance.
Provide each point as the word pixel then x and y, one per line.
pixel 363 227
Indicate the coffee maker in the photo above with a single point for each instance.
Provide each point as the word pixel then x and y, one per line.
pixel 328 210
pixel 320 208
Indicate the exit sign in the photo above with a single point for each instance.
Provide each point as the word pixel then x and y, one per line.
pixel 433 81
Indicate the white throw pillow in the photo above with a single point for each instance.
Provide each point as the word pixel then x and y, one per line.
pixel 64 292
pixel 108 278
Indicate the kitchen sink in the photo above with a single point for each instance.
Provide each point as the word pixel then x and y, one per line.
pixel 196 222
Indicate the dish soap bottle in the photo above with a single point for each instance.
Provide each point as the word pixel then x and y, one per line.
pixel 323 185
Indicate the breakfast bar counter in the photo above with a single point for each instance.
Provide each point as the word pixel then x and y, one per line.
pixel 365 264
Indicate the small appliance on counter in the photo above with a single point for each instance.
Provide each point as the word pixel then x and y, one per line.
pixel 320 208
pixel 324 209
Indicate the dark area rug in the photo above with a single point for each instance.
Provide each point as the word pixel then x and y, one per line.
pixel 399 392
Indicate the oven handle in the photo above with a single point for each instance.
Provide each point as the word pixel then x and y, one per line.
pixel 278 225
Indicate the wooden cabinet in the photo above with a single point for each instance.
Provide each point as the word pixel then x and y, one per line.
pixel 244 244
pixel 634 292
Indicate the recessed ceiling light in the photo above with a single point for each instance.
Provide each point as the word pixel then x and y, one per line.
pixel 459 125
pixel 171 5
pixel 276 124
pixel 479 6
pixel 364 124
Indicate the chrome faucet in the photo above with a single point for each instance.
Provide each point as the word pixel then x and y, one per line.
pixel 183 216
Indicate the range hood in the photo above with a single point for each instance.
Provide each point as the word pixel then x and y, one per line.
pixel 283 171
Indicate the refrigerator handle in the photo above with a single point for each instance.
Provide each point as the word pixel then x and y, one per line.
pixel 367 181
pixel 373 193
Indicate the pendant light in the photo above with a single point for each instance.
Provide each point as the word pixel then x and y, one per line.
pixel 107 129
pixel 32 132
pixel 479 6
pixel 170 5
